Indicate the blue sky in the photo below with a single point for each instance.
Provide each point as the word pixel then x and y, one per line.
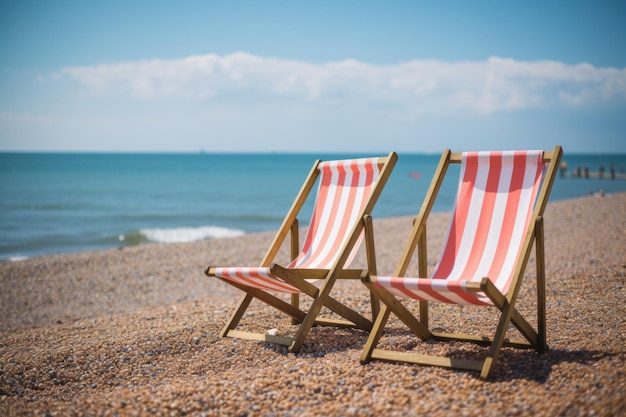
pixel 279 76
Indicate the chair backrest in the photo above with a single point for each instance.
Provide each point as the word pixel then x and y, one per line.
pixel 494 204
pixel 345 188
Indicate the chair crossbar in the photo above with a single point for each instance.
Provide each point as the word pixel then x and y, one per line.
pixel 481 340
pixel 322 321
pixel 279 340
pixel 418 359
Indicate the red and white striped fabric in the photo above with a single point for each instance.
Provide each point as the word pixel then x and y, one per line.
pixel 494 203
pixel 343 192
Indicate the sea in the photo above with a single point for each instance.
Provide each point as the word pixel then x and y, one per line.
pixel 54 203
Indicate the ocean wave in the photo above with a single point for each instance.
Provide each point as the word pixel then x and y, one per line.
pixel 210 217
pixel 15 258
pixel 187 234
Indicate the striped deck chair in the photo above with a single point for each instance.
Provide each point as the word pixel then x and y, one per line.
pixel 497 217
pixel 347 192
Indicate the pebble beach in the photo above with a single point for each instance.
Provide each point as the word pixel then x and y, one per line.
pixel 136 331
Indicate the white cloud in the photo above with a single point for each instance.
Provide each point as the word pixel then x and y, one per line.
pixel 414 87
pixel 247 102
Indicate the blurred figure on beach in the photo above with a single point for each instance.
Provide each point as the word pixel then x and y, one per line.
pixel 612 170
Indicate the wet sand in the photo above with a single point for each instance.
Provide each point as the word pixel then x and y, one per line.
pixel 136 332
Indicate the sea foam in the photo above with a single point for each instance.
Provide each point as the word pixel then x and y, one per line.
pixel 17 258
pixel 188 234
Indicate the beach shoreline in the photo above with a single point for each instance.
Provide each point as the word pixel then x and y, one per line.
pixel 135 331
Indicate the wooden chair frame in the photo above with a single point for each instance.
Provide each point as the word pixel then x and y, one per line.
pixel 505 303
pixel 298 277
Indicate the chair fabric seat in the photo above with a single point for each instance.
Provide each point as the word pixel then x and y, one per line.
pixel 344 190
pixel 257 277
pixel 437 290
pixel 493 207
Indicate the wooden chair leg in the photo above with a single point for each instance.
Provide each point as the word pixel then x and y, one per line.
pixel 375 302
pixel 306 325
pixel 495 348
pixel 375 334
pixel 422 255
pixel 251 293
pixel 346 312
pixel 542 345
pixel 322 298
pixel 295 302
pixel 237 315
pixel 405 315
pixel 295 249
pixel 368 226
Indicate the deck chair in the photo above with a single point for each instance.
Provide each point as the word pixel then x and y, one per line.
pixel 497 217
pixel 347 192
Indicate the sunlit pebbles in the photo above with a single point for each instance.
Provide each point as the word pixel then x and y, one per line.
pixel 136 332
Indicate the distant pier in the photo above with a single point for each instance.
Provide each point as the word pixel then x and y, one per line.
pixel 584 172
